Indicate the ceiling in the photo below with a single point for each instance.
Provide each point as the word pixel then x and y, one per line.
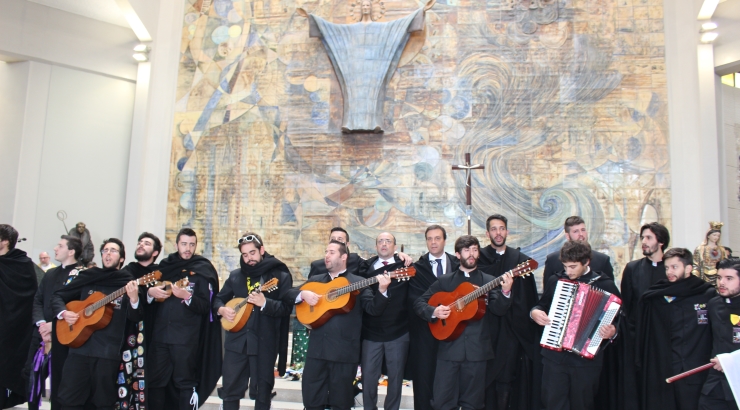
pixel 103 10
pixel 727 17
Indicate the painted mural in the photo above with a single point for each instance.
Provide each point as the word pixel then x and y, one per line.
pixel 562 101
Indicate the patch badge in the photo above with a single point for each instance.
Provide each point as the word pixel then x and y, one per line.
pixel 734 319
pixel 140 349
pixel 129 368
pixel 736 335
pixel 122 392
pixel 132 340
pixel 124 405
pixel 127 356
pixel 139 374
pixel 120 367
pixel 141 326
pixel 141 397
pixel 141 385
pixel 135 386
pixel 135 354
pixel 701 317
pixel 140 362
pixel 140 338
pixel 121 378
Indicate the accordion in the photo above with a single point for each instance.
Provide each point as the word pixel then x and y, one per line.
pixel 577 313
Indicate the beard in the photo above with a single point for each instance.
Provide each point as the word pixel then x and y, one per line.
pixel 503 242
pixel 143 257
pixel 650 251
pixel 466 265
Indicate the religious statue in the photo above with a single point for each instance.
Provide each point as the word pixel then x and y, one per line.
pixel 365 55
pixel 88 250
pixel 709 253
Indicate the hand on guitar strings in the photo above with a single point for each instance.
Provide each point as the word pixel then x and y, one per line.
pixel 540 317
pixel 257 299
pixel 717 364
pixel 132 290
pixel 227 313
pixel 310 297
pixel 384 280
pixel 70 317
pixel 158 292
pixel 180 292
pixel 441 312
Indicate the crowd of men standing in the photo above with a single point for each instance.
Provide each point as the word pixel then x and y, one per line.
pixel 162 347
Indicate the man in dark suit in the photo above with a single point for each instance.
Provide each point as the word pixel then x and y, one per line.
pixel 422 363
pixel 385 337
pixel 334 348
pixel 575 230
pixel 461 363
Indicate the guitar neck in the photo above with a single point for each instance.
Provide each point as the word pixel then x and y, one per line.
pixel 357 286
pixel 108 299
pixel 482 290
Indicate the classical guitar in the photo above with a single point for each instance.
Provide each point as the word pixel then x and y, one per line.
pixel 243 308
pixel 95 313
pixel 182 283
pixel 468 302
pixel 338 297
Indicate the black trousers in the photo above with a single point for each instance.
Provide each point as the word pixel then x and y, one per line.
pixel 240 371
pixel 459 384
pixel 173 366
pixel 88 378
pixel 687 395
pixel 715 400
pixel 373 353
pixel 330 382
pixel 569 388
pixel 423 383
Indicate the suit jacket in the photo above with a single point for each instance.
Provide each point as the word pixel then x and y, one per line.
pixel 318 266
pixel 475 342
pixel 338 340
pixel 599 263
pixel 260 334
pixel 53 280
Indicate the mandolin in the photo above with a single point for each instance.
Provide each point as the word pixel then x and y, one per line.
pixel 338 297
pixel 463 306
pixel 243 308
pixel 95 313
pixel 182 284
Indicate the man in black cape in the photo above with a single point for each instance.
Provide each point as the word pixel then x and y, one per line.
pixel 637 278
pixel 510 376
pixel 724 318
pixel 90 371
pixel 673 335
pixel 17 289
pixel 185 353
pixel 250 353
pixel 422 360
pixel 66 253
pixel 139 333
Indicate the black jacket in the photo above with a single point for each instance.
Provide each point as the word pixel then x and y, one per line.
pixel 54 279
pixel 637 277
pixel 394 322
pixel 599 263
pixel 318 266
pixel 260 334
pixel 725 339
pixel 475 342
pixel 338 340
pixel 567 358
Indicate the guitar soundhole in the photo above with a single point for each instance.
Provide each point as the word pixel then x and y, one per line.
pixel 331 296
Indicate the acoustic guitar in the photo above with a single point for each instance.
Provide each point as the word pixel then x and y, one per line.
pixel 338 297
pixel 182 283
pixel 243 308
pixel 95 313
pixel 468 303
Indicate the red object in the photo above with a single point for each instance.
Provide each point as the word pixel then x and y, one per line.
pixel 689 373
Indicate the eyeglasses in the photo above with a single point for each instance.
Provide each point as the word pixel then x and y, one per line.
pixel 385 241
pixel 110 250
pixel 249 238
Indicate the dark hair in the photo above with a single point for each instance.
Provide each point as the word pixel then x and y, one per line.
pixel 575 251
pixel 8 233
pixel 683 254
pixel 572 221
pixel 660 232
pixel 75 244
pixel 466 241
pixel 259 243
pixel 433 227
pixel 157 242
pixel 186 232
pixel 392 236
pixel 338 229
pixel 711 231
pixel 117 242
pixel 342 246
pixel 498 217
pixel 730 263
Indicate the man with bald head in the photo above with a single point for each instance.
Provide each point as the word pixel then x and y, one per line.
pixel 385 336
pixel 45 262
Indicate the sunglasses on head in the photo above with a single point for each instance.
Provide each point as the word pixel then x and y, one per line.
pixel 249 238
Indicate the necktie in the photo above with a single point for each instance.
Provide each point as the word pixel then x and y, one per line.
pixel 385 263
pixel 439 267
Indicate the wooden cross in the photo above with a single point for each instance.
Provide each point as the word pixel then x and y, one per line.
pixel 468 198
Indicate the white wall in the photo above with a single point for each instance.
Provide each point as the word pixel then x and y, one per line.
pixel 13 80
pixel 729 129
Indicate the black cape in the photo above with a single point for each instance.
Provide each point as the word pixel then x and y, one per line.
pixel 17 290
pixel 653 339
pixel 174 268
